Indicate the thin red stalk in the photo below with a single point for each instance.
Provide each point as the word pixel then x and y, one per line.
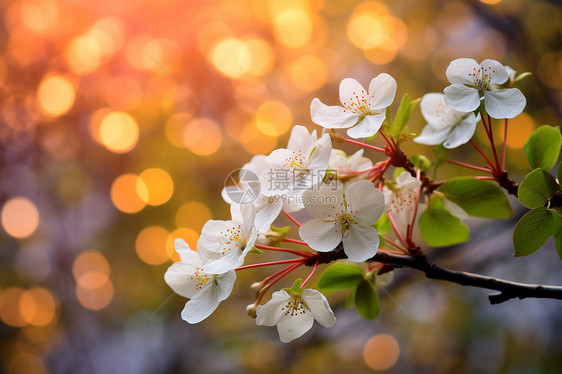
pixel 374 266
pixel 491 136
pixel 281 274
pixel 469 166
pixel 301 260
pixel 410 232
pixel 485 178
pixel 292 251
pixel 396 229
pixel 504 147
pixel 378 149
pixel 311 274
pixel 387 141
pixel 401 252
pixel 295 241
pixel 292 218
pixel 483 154
pixel 401 249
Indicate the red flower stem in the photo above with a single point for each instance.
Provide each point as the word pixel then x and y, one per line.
pixel 483 154
pixel 301 260
pixel 485 178
pixel 292 218
pixel 292 251
pixel 378 149
pixel 396 229
pixel 491 136
pixel 295 241
pixel 371 268
pixel 390 144
pixel 410 232
pixel 469 166
pixel 504 143
pixel 311 274
pixel 399 248
pixel 280 275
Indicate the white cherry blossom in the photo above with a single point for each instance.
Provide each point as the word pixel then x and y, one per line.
pixel 400 198
pixel 444 123
pixel 471 81
pixel 363 113
pixel 346 218
pixel 346 167
pixel 294 314
pixel 190 278
pixel 223 245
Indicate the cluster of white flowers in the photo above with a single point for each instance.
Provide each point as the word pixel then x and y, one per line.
pixel 344 196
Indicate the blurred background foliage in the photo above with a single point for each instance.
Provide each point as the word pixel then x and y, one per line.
pixel 120 120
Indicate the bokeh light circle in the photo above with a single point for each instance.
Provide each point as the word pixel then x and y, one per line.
pixel 19 217
pixel 55 95
pixel 155 186
pixel 119 132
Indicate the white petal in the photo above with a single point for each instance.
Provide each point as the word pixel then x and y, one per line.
pixel 178 277
pixel 498 73
pixel 319 307
pixel 321 236
pixel 407 182
pixel 187 255
pixel 332 117
pixel 367 127
pixel 432 136
pixel 300 139
pixel 323 201
pixel 458 70
pixel 462 98
pixel 224 285
pixel 381 91
pixel 365 202
pixel 291 327
pixel 360 242
pixel 506 103
pixel 437 113
pixel 353 95
pixel 320 158
pixel 268 213
pixel 270 313
pixel 462 133
pixel 199 307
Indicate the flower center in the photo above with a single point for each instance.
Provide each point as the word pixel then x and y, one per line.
pixel 295 161
pixel 358 104
pixel 234 239
pixel 201 277
pixel 294 307
pixel 481 77
pixel 345 219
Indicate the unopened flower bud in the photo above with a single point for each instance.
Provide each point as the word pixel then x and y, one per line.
pixel 252 310
pixel 257 286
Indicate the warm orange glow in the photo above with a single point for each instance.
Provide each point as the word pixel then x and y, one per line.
pixel 519 129
pixel 123 93
pixel 274 118
pixel 39 16
pixel 95 299
pixel 19 217
pixel 124 193
pixel 381 352
pixel 94 123
pixel 10 307
pixel 151 245
pixel 155 186
pixel 383 54
pixel 292 27
pixel 490 1
pixel 55 95
pixel 190 236
pixel 83 55
pixel 365 30
pixel 231 57
pixel 91 270
pixel 261 57
pixel 202 136
pixel 308 73
pixel 256 142
pixel 193 214
pixel 109 34
pixel 26 362
pixel 119 132
pixel 38 306
pixel 175 127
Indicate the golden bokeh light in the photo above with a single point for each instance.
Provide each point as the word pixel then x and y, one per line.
pixel 193 214
pixel 155 186
pixel 175 128
pixel 94 123
pixel 274 118
pixel 381 352
pixel 91 270
pixel 519 129
pixel 365 30
pixel 151 245
pixel 38 306
pixel 261 57
pixel 255 141
pixel 55 95
pixel 10 312
pixel 202 136
pixel 83 55
pixel 490 2
pixel 109 34
pixel 19 217
pixel 384 53
pixel 119 132
pixel 232 57
pixel 123 93
pixel 95 299
pixel 308 73
pixel 190 236
pixel 124 193
pixel 292 27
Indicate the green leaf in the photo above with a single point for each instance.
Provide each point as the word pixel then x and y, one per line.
pixel 398 171
pixel 350 299
pixel 367 300
pixel 402 116
pixel 558 244
pixel 421 162
pixel 439 228
pixel 536 188
pixel 383 225
pixel 478 198
pixel 296 288
pixel 543 146
pixel 256 251
pixel 533 229
pixel 340 276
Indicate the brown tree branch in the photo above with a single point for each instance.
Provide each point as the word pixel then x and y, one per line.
pixel 507 289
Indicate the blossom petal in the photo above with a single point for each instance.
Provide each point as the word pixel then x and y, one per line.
pixel 506 103
pixel 270 313
pixel 381 91
pixel 367 127
pixel 498 73
pixel 332 117
pixel 462 98
pixel 436 111
pixel 224 285
pixel 291 327
pixel 187 255
pixel 432 136
pixel 268 213
pixel 458 70
pixel 199 307
pixel 301 139
pixel 323 201
pixel 178 278
pixel 321 236
pixel 353 95
pixel 463 132
pixel 319 306
pixel 365 202
pixel 360 242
